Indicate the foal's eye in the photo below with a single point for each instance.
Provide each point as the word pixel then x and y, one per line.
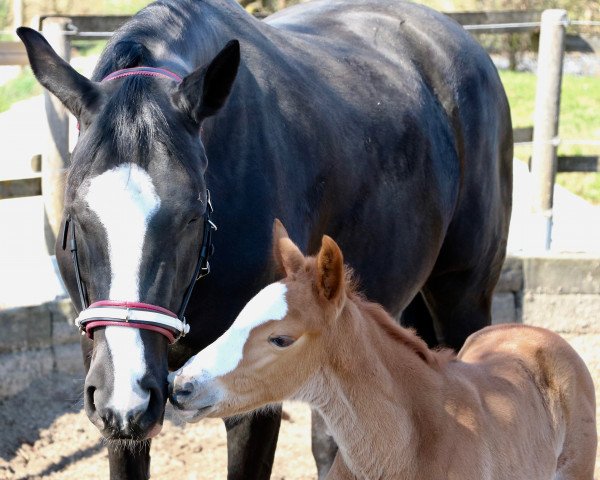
pixel 281 341
pixel 193 220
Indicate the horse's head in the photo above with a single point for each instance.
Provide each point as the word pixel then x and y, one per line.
pixel 275 345
pixel 136 207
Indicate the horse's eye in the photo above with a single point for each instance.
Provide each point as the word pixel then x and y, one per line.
pixel 192 221
pixel 281 341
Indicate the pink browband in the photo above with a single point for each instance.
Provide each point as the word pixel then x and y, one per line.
pixel 144 71
pixel 143 316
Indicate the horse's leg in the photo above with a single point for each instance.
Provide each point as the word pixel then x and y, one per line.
pixel 460 302
pixel 416 315
pixel 129 462
pixel 251 442
pixel 323 446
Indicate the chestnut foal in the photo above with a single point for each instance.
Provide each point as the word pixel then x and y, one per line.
pixel 516 403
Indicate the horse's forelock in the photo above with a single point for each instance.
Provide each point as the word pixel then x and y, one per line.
pixel 131 127
pixel 123 54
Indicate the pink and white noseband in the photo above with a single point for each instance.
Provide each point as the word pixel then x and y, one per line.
pixel 132 314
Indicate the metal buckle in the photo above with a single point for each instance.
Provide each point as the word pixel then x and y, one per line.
pixel 208 201
pixel 204 271
pixel 182 333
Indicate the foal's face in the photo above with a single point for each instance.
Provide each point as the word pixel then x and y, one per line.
pixel 267 354
pixel 273 348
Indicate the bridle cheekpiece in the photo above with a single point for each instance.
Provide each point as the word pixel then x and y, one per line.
pixel 139 315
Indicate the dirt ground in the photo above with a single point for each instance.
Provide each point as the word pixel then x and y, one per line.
pixel 44 433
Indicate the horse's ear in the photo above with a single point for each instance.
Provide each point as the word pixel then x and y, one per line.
pixel 204 91
pixel 74 90
pixel 330 269
pixel 288 257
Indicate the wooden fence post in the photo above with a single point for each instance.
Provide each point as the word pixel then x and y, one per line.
pixel 545 130
pixel 17 15
pixel 55 158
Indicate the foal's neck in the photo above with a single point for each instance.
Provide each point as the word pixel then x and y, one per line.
pixel 372 390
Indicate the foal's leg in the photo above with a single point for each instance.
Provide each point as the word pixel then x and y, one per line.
pixel 251 442
pixel 129 462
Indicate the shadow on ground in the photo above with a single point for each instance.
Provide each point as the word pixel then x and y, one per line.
pixel 24 415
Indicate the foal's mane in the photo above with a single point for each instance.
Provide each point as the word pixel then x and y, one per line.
pixel 436 359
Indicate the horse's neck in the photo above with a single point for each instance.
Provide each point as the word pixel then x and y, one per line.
pixel 200 30
pixel 370 394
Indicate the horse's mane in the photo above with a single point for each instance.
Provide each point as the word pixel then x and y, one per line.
pixel 406 336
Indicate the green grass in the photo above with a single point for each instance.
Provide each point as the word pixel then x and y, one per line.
pixel 579 119
pixel 19 88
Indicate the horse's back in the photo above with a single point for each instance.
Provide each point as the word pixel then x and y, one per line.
pixel 429 143
pixel 560 380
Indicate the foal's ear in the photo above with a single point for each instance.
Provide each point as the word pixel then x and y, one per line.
pixel 204 91
pixel 74 90
pixel 330 269
pixel 288 257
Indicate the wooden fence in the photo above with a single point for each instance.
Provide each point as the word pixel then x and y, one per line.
pixel 550 25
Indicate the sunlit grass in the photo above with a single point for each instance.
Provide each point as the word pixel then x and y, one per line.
pixel 579 120
pixel 19 88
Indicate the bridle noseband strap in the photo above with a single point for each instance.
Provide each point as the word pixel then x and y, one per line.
pixel 135 315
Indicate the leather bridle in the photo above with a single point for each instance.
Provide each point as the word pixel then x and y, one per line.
pixel 135 314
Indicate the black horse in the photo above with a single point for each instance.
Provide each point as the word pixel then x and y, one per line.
pixel 364 120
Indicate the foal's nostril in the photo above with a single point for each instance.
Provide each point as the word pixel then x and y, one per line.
pixel 181 393
pixel 186 390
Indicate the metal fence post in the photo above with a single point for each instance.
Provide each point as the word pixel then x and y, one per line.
pixel 545 130
pixel 55 158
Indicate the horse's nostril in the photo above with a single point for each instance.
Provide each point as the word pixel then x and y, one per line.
pixel 89 397
pixel 110 420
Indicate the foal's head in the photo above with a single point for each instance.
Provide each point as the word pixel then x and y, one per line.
pixel 135 200
pixel 276 343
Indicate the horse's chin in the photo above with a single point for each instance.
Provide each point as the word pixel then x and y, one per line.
pixel 127 437
pixel 154 431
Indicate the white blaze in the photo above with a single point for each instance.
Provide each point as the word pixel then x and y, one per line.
pixel 124 200
pixel 225 353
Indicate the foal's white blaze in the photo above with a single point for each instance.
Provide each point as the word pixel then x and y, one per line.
pixel 124 199
pixel 224 354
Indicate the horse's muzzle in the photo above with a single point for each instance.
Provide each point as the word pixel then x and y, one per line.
pixel 142 421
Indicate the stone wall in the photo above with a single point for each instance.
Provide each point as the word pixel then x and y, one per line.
pixel 561 293
pixel 35 341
